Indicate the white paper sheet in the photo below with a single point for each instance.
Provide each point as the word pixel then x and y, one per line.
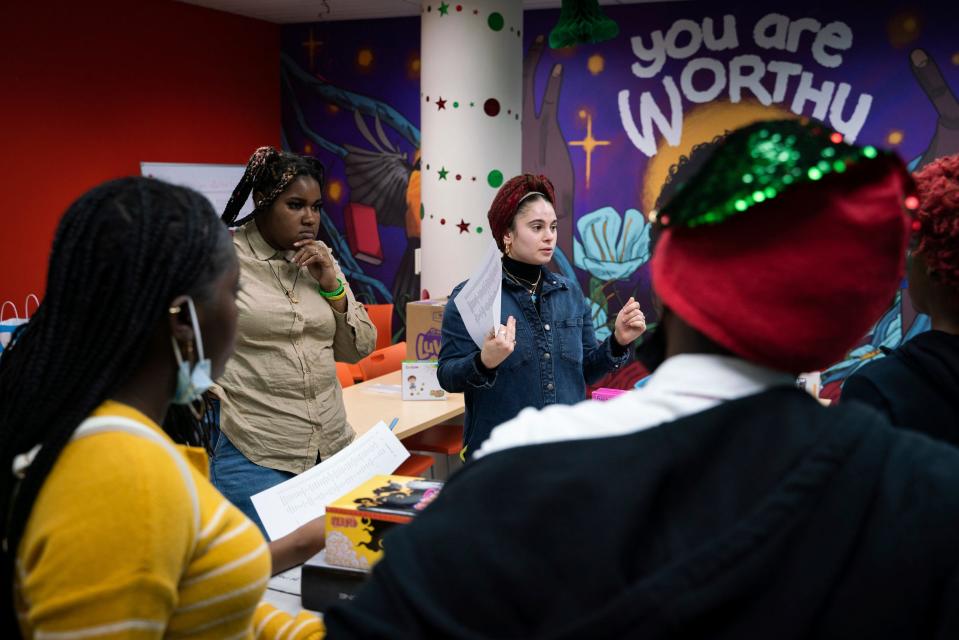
pixel 479 300
pixel 288 581
pixel 385 389
pixel 295 502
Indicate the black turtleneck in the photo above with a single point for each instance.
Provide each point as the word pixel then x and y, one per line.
pixel 522 270
pixel 525 272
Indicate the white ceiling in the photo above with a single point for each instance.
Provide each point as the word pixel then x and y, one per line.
pixel 293 11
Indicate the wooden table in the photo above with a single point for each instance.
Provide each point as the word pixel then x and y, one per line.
pixel 366 404
pixel 369 402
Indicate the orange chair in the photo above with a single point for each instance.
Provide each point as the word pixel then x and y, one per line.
pixel 442 438
pixel 355 372
pixel 383 361
pixel 382 317
pixel 344 374
pixel 416 465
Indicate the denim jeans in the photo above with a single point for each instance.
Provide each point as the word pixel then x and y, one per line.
pixel 237 478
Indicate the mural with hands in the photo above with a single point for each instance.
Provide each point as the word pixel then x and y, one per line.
pixel 606 122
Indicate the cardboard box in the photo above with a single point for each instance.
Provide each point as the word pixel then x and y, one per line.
pixel 424 323
pixel 419 381
pixel 322 585
pixel 357 522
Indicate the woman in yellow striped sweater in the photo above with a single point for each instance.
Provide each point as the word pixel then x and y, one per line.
pixel 111 527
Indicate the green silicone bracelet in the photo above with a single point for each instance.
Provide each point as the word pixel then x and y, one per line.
pixel 332 294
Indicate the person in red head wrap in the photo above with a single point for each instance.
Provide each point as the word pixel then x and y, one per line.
pixel 544 350
pixel 718 501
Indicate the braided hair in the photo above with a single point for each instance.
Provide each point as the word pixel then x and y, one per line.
pixel 268 173
pixel 122 252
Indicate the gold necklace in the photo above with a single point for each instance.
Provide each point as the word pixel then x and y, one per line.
pixel 526 284
pixel 289 292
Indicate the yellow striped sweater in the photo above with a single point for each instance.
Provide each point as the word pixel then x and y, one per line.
pixel 128 539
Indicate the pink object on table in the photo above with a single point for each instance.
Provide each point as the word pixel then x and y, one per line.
pixel 604 393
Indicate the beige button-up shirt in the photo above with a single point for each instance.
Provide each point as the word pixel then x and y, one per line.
pixel 281 403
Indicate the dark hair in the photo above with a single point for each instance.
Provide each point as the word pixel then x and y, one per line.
pixel 679 174
pixel 268 173
pixel 525 205
pixel 122 252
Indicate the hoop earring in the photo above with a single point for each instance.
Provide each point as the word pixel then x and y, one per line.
pixel 508 248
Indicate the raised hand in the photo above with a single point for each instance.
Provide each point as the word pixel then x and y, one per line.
pixel 544 148
pixel 630 323
pixel 499 344
pixel 316 257
pixel 945 141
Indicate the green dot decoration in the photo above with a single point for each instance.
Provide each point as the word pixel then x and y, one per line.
pixel 495 21
pixel 422 211
pixel 479 229
pixel 495 178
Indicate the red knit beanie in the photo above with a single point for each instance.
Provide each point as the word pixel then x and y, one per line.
pixel 787 245
pixel 507 201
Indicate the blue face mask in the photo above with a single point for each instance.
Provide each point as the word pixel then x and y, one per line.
pixel 191 382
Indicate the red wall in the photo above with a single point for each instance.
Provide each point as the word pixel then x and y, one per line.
pixel 92 88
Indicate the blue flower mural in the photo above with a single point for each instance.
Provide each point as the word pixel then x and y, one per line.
pixel 612 247
pixel 598 313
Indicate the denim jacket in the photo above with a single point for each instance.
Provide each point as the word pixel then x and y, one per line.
pixel 556 354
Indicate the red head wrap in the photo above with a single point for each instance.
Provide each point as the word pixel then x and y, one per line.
pixel 508 199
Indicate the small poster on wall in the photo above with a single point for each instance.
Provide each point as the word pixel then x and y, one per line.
pixel 215 181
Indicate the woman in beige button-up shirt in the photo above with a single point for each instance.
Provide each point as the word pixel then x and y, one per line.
pixel 281 407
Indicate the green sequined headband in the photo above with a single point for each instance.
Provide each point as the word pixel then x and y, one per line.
pixel 758 163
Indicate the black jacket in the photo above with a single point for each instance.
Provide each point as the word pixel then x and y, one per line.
pixel 916 386
pixel 765 517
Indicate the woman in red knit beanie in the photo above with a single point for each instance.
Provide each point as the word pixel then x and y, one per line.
pixel 545 350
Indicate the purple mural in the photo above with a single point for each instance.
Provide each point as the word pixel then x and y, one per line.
pixel 606 122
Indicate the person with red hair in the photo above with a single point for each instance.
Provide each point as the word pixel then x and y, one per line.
pixel 545 350
pixel 917 385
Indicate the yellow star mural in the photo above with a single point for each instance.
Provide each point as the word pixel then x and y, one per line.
pixel 311 44
pixel 589 143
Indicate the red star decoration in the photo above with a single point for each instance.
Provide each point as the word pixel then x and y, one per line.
pixel 464 226
pixel 440 104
